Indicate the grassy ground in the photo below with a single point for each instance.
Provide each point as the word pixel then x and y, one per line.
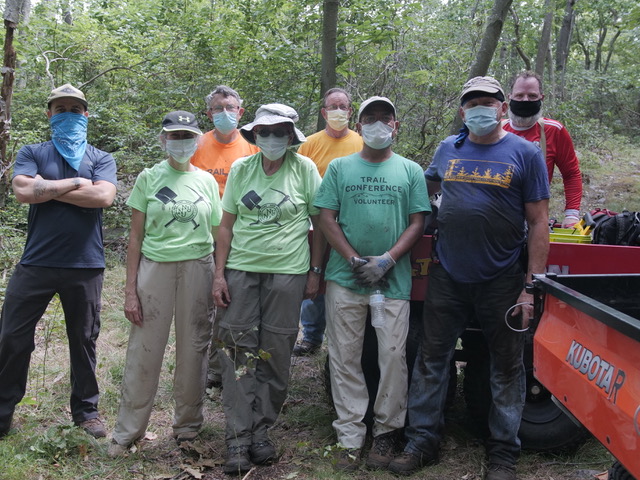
pixel 44 445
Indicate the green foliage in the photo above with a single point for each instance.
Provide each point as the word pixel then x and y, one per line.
pixel 61 441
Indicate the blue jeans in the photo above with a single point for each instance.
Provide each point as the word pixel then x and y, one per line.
pixel 313 320
pixel 448 307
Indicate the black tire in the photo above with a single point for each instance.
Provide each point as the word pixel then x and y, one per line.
pixel 618 472
pixel 544 427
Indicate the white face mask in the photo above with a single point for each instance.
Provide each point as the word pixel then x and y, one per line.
pixel 181 150
pixel 377 135
pixel 273 148
pixel 338 119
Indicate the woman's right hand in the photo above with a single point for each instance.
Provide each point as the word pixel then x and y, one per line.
pixel 132 308
pixel 220 291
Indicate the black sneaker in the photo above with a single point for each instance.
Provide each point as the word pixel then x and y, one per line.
pixel 237 460
pixel 305 349
pixel 262 453
pixel 382 451
pixel 407 463
pixel 500 472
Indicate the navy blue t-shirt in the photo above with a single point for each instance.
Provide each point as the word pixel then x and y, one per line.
pixel 481 220
pixel 62 235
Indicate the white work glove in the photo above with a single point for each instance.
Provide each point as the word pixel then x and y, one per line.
pixel 372 272
pixel 570 218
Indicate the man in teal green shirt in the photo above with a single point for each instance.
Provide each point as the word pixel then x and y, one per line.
pixel 372 208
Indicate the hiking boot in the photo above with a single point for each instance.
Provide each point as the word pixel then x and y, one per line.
pixel 382 451
pixel 237 460
pixel 348 459
pixel 500 472
pixel 262 453
pixel 407 462
pixel 305 349
pixel 117 450
pixel 93 427
pixel 186 437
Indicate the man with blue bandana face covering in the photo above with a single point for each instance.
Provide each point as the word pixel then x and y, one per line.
pixel 372 209
pixel 491 183
pixel 67 183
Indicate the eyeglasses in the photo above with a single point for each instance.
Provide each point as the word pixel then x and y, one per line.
pixel 278 132
pixel 369 119
pixel 337 107
pixel 228 108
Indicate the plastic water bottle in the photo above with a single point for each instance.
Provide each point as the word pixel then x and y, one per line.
pixel 376 303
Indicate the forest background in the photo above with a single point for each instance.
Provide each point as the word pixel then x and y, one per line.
pixel 137 60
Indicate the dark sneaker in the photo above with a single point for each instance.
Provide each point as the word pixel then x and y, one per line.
pixel 93 427
pixel 304 349
pixel 348 459
pixel 262 452
pixel 500 472
pixel 407 463
pixel 237 460
pixel 382 451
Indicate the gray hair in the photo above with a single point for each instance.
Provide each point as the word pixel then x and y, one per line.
pixel 331 91
pixel 225 92
pixel 527 74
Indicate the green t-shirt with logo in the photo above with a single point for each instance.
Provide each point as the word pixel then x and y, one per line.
pixel 374 201
pixel 180 208
pixel 270 234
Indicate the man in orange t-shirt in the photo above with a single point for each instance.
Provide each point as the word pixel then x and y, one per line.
pixel 217 150
pixel 223 145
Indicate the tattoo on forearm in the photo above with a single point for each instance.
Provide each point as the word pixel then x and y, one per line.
pixel 42 188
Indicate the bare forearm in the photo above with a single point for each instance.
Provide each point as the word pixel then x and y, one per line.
pixel 335 236
pixel 39 190
pixel 97 195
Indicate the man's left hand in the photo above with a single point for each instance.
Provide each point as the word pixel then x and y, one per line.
pixel 371 273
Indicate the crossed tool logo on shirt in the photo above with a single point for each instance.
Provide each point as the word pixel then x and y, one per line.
pixel 268 212
pixel 183 211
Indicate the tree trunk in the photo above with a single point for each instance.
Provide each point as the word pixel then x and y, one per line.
pixel 610 52
pixel 516 28
pixel 564 38
pixel 545 37
pixel 488 45
pixel 14 11
pixel 328 62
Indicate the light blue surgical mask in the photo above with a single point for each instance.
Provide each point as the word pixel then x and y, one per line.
pixel 273 148
pixel 225 121
pixel 377 135
pixel 181 150
pixel 481 120
pixel 69 136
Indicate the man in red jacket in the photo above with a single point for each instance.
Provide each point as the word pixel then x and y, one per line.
pixel 526 120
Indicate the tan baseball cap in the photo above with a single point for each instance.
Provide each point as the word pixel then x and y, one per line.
pixel 67 91
pixel 482 85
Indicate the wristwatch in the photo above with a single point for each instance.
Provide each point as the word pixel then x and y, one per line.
pixel 317 270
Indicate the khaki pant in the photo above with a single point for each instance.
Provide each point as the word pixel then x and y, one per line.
pixel 346 320
pixel 179 291
pixel 262 317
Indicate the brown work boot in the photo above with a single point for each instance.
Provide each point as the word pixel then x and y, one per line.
pixel 93 427
pixel 500 472
pixel 348 459
pixel 382 451
pixel 407 462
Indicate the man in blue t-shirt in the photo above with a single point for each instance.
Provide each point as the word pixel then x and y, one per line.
pixel 67 184
pixel 493 184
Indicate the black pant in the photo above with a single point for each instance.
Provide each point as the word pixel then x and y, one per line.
pixel 28 294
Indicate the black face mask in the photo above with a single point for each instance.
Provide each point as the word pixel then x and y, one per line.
pixel 525 108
